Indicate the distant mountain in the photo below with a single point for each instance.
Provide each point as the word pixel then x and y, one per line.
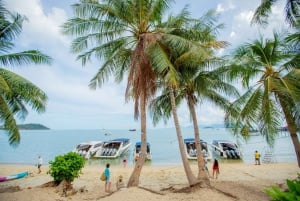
pixel 30 127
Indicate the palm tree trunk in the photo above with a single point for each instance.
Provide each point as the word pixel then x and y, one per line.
pixel 292 129
pixel 202 176
pixel 135 175
pixel 188 171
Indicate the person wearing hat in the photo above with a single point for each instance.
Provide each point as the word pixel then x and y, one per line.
pixel 120 183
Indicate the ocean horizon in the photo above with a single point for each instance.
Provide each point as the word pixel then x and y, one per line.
pixel 164 145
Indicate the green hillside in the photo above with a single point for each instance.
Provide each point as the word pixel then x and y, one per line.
pixel 30 127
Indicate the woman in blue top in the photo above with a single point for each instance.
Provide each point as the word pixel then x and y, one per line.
pixel 107 181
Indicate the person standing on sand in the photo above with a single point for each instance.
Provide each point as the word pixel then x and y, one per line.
pixel 124 162
pixel 39 165
pixel 216 170
pixel 257 157
pixel 107 178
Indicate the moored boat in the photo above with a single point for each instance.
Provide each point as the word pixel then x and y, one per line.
pixel 14 176
pixel 113 148
pixel 88 149
pixel 191 152
pixel 226 149
pixel 137 150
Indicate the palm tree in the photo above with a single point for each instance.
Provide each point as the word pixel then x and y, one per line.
pixel 292 11
pixel 15 91
pixel 124 34
pixel 272 77
pixel 185 74
pixel 204 84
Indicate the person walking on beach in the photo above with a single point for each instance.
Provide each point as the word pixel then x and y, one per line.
pixel 107 178
pixel 257 157
pixel 39 164
pixel 216 170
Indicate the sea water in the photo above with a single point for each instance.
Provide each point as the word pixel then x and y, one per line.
pixel 164 144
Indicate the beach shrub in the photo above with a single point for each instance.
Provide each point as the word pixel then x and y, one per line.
pixel 66 167
pixel 292 194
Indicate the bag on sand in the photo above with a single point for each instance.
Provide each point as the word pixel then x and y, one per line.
pixel 103 177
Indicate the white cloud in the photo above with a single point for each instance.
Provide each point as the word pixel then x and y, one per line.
pixel 225 7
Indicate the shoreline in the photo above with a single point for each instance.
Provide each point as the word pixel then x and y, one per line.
pixel 237 181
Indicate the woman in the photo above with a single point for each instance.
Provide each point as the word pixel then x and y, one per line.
pixel 107 177
pixel 216 169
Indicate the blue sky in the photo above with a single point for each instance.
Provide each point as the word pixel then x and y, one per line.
pixel 71 104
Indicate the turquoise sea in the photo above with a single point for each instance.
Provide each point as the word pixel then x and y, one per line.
pixel 165 150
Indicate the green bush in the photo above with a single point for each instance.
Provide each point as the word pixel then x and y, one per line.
pixel 293 193
pixel 66 167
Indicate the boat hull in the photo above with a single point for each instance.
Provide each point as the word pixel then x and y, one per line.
pixel 137 150
pixel 190 149
pixel 226 149
pixel 113 149
pixel 14 176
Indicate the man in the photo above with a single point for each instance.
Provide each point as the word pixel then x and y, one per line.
pixel 39 165
pixel 257 157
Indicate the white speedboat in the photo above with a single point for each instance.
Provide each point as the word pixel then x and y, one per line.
pixel 88 149
pixel 113 148
pixel 137 150
pixel 226 149
pixel 191 152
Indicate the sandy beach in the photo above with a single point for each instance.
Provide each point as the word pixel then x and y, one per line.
pixel 237 181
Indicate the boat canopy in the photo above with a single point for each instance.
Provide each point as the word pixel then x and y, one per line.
pixel 120 140
pixel 191 140
pixel 139 144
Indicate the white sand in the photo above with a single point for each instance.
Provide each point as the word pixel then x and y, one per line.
pixel 237 181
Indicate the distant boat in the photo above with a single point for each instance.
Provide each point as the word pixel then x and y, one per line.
pixel 88 149
pixel 226 149
pixel 137 150
pixel 132 129
pixel 13 176
pixel 190 148
pixel 113 148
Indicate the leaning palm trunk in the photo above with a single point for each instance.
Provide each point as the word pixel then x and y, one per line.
pixel 135 175
pixel 189 174
pixel 201 166
pixel 292 130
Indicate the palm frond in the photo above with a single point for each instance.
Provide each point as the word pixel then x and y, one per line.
pixel 25 58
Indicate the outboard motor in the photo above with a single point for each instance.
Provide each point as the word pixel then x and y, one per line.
pixel 228 154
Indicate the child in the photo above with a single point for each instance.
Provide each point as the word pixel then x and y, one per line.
pixel 107 176
pixel 216 169
pixel 120 184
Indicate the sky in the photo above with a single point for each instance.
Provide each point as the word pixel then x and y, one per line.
pixel 72 105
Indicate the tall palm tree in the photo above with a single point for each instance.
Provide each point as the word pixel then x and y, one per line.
pixel 123 34
pixel 179 79
pixel 292 11
pixel 272 77
pixel 15 91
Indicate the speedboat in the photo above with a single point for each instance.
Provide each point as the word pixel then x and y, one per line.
pixel 226 149
pixel 191 152
pixel 137 150
pixel 113 148
pixel 88 149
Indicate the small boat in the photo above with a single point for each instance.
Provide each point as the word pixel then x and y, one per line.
pixel 113 148
pixel 191 151
pixel 226 149
pixel 137 150
pixel 132 129
pixel 14 176
pixel 88 149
